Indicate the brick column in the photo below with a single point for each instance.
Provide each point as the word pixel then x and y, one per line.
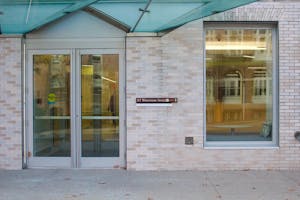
pixel 10 103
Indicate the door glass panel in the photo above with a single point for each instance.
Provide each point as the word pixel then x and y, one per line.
pixel 100 138
pixel 100 105
pixel 51 106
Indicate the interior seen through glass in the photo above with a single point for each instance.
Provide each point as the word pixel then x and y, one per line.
pixel 51 105
pixel 239 84
pixel 100 105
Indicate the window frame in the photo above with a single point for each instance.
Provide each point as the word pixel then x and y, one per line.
pixel 208 25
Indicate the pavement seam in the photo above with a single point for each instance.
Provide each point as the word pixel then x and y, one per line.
pixel 219 196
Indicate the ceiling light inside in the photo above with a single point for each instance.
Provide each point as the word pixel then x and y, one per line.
pixel 246 56
pixel 225 45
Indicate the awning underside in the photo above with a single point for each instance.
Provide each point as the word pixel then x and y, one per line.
pixel 23 16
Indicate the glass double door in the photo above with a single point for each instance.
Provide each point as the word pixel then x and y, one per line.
pixel 74 120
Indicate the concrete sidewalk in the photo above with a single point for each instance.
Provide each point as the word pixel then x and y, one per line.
pixel 175 185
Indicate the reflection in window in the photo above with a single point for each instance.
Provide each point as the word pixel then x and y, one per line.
pixel 210 89
pixel 232 88
pixel 260 86
pixel 232 85
pixel 238 84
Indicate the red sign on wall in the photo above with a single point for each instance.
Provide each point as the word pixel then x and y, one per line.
pixel 156 100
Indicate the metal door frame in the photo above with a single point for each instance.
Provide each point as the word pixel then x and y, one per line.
pixel 101 162
pixel 43 162
pixel 75 160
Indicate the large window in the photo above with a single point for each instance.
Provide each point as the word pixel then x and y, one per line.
pixel 240 79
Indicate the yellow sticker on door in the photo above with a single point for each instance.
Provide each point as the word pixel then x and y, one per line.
pixel 51 98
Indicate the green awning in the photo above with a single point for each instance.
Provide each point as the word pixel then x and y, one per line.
pixel 23 16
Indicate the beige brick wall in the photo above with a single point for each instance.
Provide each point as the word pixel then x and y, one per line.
pixel 172 66
pixel 10 104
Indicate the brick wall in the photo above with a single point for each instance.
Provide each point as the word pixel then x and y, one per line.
pixel 172 66
pixel 10 104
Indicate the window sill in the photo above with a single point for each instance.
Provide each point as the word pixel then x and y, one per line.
pixel 242 148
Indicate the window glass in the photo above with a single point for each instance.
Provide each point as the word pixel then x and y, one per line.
pixel 239 71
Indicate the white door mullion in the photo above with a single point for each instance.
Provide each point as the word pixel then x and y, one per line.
pixel 78 107
pixel 73 109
